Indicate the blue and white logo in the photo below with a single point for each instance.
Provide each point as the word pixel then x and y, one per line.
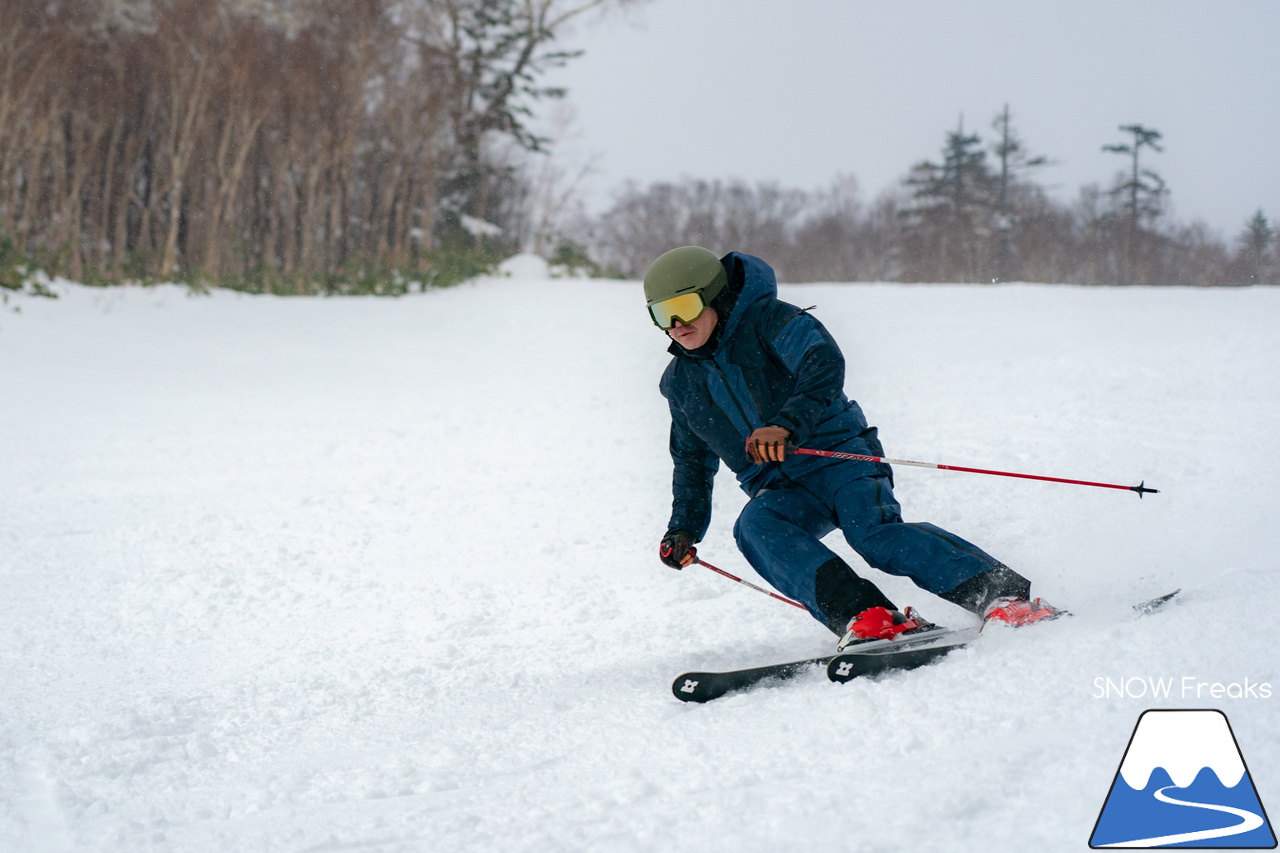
pixel 1183 783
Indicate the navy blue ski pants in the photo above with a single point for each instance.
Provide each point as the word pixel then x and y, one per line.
pixel 779 531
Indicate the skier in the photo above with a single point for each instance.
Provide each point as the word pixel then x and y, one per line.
pixel 753 377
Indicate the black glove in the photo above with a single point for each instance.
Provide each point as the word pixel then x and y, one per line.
pixel 676 549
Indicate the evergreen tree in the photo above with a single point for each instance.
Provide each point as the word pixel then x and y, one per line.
pixel 496 52
pixel 1014 163
pixel 1144 192
pixel 951 218
pixel 1142 198
pixel 1256 243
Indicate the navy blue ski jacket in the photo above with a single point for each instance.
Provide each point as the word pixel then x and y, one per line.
pixel 773 363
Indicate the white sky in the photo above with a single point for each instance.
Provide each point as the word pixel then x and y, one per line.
pixel 799 91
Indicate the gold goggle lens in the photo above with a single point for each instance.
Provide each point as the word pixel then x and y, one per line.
pixel 686 308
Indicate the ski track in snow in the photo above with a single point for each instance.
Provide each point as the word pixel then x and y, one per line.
pixel 379 575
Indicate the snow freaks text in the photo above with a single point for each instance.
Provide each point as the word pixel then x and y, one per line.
pixel 1186 687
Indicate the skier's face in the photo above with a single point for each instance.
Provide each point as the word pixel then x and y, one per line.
pixel 695 334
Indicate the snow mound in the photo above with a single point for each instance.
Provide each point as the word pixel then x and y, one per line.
pixel 525 265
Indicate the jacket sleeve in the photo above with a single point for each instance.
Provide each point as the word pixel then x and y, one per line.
pixel 695 472
pixel 812 356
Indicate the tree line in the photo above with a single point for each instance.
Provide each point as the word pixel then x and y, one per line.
pixel 975 214
pixel 377 146
pixel 332 145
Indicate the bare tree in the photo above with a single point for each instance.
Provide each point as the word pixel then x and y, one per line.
pixel 721 216
pixel 269 143
pixel 554 180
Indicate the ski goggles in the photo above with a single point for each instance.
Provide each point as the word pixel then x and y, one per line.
pixel 686 308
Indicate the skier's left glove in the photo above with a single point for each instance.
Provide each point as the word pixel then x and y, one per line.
pixel 676 549
pixel 768 444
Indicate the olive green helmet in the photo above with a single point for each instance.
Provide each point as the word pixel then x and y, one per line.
pixel 680 272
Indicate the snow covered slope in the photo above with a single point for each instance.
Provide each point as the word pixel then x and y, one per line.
pixel 380 575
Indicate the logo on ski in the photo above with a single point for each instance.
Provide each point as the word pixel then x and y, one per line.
pixel 689 686
pixel 844 668
pixel 1183 782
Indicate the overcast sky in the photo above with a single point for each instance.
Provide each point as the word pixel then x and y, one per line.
pixel 798 91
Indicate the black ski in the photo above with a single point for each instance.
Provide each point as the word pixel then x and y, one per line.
pixel 862 660
pixel 705 686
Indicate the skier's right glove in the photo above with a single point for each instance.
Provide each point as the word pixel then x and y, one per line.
pixel 769 444
pixel 676 549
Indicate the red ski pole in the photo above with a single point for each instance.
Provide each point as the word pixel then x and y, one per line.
pixel 693 552
pixel 1141 488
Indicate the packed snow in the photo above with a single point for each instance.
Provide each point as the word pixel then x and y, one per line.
pixel 344 574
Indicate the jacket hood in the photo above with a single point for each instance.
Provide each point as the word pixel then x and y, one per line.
pixel 758 282
pixel 750 280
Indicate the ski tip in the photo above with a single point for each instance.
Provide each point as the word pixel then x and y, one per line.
pixel 1145 608
pixel 1142 489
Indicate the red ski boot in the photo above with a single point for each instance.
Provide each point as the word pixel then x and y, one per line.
pixel 1017 612
pixel 881 623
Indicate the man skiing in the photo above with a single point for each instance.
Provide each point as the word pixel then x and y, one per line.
pixel 752 377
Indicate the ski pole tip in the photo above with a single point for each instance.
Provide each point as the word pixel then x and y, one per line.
pixel 1142 489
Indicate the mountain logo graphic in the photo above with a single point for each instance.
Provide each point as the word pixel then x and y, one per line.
pixel 1183 783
